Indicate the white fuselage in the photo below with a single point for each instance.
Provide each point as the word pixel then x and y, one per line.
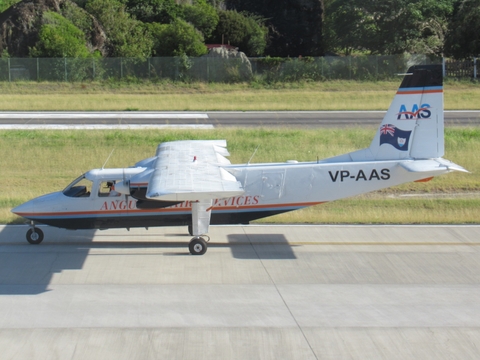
pixel 270 189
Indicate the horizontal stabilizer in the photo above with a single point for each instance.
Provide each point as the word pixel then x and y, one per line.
pixel 436 165
pixel 451 166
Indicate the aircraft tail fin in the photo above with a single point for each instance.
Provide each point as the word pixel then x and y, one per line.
pixel 413 125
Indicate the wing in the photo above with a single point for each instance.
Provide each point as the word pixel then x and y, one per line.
pixel 192 170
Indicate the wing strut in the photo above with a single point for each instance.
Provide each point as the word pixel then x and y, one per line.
pixel 201 211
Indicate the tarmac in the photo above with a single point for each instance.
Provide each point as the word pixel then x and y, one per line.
pixel 260 292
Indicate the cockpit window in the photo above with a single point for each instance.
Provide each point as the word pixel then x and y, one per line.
pixel 80 187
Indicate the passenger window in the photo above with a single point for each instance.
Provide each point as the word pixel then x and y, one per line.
pixel 107 188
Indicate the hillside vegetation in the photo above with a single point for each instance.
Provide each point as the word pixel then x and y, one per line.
pixel 283 28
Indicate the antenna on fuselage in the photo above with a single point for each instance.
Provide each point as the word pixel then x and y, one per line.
pixel 108 158
pixel 248 163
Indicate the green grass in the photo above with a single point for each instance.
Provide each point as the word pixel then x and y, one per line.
pixel 377 209
pixel 329 95
pixel 37 162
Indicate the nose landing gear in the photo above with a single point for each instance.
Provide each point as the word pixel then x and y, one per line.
pixel 34 235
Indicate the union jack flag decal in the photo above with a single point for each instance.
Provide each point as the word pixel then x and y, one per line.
pixel 398 138
pixel 387 129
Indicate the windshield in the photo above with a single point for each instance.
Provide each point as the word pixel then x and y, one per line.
pixel 80 187
pixel 74 182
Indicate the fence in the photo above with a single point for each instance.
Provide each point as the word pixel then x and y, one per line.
pixel 460 68
pixel 214 69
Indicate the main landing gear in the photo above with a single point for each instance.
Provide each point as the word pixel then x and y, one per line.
pixel 198 245
pixel 34 235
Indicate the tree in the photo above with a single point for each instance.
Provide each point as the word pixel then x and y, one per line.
pixel 58 37
pixel 127 37
pixel 242 31
pixel 202 15
pixel 5 4
pixel 217 4
pixel 177 38
pixel 92 29
pixel 147 11
pixel 78 16
pixel 295 26
pixel 346 26
pixel 388 26
pixel 463 37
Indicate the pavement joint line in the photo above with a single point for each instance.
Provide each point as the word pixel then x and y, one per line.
pixel 313 225
pixel 357 225
pixel 366 243
pixel 280 295
pixel 168 244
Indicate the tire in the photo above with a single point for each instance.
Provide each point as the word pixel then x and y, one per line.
pixel 197 246
pixel 34 236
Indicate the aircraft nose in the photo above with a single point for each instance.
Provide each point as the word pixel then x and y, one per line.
pixel 25 208
pixel 38 205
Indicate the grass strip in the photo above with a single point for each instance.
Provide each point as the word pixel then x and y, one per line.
pixel 306 96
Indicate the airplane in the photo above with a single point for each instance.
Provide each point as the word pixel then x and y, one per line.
pixel 193 183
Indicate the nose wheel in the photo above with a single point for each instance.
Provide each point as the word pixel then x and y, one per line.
pixel 34 235
pixel 197 246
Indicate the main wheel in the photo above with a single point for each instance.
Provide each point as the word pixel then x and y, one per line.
pixel 197 246
pixel 34 236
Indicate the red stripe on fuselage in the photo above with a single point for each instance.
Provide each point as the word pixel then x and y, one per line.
pixel 167 210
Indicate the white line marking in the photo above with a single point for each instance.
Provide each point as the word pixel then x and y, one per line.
pixel 96 115
pixel 106 127
pixel 275 225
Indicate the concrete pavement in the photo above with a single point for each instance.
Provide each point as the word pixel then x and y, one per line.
pixel 260 292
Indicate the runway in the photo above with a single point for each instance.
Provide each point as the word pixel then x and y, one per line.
pixel 260 292
pixel 206 120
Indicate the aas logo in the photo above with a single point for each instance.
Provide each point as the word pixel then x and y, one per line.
pixel 417 112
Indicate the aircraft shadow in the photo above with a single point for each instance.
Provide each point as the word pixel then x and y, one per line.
pixel 28 269
pixel 260 246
